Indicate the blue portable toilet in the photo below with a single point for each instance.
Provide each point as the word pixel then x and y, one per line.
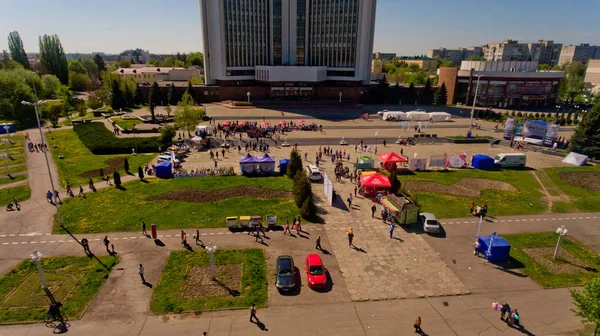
pixel 283 164
pixel 480 161
pixel 500 250
pixel 10 126
pixel 164 169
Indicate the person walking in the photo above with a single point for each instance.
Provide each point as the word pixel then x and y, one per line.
pixel 198 241
pixel 17 205
pixel 141 273
pixel 350 234
pixel 297 227
pixel 476 246
pixel 144 228
pixel 349 201
pixel 417 325
pixel 392 227
pixel 472 209
pixel 355 190
pixel 253 313
pixel 86 246
pixel 318 246
pixel 57 197
pixel 373 210
pixel 112 249
pixel 287 228
pixel 81 192
pixel 183 238
pixel 106 242
pixel 49 197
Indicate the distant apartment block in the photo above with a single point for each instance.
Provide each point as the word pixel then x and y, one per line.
pixel 592 76
pixel 423 62
pixel 580 53
pixel 384 56
pixel 157 74
pixel 455 55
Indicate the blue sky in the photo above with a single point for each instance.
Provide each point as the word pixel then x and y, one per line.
pixel 404 27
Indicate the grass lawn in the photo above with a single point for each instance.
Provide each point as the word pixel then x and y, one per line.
pixel 528 200
pixel 168 295
pixel 13 138
pixel 6 180
pixel 126 123
pixel 88 116
pixel 539 273
pixel 22 193
pixel 74 281
pixel 78 159
pixel 12 169
pixel 111 209
pixel 15 160
pixel 581 199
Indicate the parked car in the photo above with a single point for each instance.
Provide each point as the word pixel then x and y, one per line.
pixel 313 173
pixel 315 271
pixel 285 278
pixel 430 223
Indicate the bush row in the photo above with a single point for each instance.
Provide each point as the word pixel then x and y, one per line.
pixel 99 140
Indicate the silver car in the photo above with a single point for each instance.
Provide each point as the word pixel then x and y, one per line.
pixel 430 223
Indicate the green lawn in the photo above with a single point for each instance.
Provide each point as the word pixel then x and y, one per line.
pixel 528 200
pixel 74 281
pixel 22 193
pixel 581 199
pixel 11 169
pixel 7 180
pixel 126 123
pixel 88 116
pixel 115 210
pixel 15 160
pixel 168 295
pixel 538 272
pixel 78 159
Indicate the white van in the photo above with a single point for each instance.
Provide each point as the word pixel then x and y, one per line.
pixel 313 173
pixel 510 160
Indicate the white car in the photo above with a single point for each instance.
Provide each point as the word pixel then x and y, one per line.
pixel 313 173
pixel 166 158
pixel 430 223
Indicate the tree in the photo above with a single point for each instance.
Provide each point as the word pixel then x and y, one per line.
pixel 475 58
pixel 124 63
pixel 7 63
pixel 140 173
pixel 308 209
pixel 51 85
pixel 586 139
pixel 295 164
pixel 139 96
pixel 79 81
pixel 52 57
pixel 90 66
pixel 76 66
pixel 190 90
pixel 126 165
pixel 395 188
pixel 66 97
pixel 98 98
pixel 116 96
pixel 155 95
pixel 188 115
pixel 441 96
pixel 170 94
pixel 117 179
pixel 587 303
pixel 17 51
pixel 411 95
pixel 302 189
pixel 572 85
pixel 169 110
pixel 53 114
pixel 99 62
pixel 167 133
pixel 427 98
pixel 195 58
pixel 127 96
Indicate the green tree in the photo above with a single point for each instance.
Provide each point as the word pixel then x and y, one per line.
pixel 99 62
pixel 66 98
pixel 116 96
pixel 155 95
pixel 124 63
pixel 127 96
pixel 195 58
pixel 53 114
pixel 295 164
pixel 188 115
pixel 427 97
pixel 51 85
pixel 91 68
pixel 586 139
pixel 308 209
pixel 476 58
pixel 126 165
pixel 139 96
pixel 441 96
pixel 117 179
pixel 76 66
pixel 587 303
pixel 167 133
pixel 190 90
pixel 52 57
pixel 302 189
pixel 395 182
pixel 7 63
pixel 17 51
pixel 140 173
pixel 79 81
pixel 572 85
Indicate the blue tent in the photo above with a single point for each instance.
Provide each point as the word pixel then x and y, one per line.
pixel 481 161
pixel 164 169
pixel 500 250
pixel 10 126
pixel 283 164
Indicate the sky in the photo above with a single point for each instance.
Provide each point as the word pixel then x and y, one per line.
pixel 403 27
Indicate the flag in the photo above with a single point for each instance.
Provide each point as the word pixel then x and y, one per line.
pixel 489 250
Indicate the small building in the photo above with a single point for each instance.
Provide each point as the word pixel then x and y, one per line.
pixel 423 62
pixel 402 208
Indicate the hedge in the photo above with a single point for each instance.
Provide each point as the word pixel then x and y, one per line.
pixel 99 140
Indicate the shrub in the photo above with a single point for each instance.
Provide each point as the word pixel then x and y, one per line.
pixel 167 133
pixel 395 182
pixel 308 209
pixel 117 179
pixel 126 165
pixel 295 164
pixel 242 103
pixel 302 189
pixel 99 140
pixel 140 173
pixel 519 114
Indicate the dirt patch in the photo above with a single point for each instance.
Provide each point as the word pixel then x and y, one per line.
pixel 207 196
pixel 583 180
pixel 229 281
pixel 566 262
pixel 113 165
pixel 466 187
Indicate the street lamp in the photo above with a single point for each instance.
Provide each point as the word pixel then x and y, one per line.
pixel 340 94
pixel 248 94
pixel 562 231
pixel 37 257
pixel 37 116
pixel 211 251
pixel 475 99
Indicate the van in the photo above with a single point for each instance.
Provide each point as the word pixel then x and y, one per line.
pixel 313 173
pixel 510 160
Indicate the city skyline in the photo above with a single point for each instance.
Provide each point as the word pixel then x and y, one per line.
pixel 169 28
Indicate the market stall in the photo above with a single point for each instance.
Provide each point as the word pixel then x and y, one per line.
pixel 390 160
pixel 164 169
pixel 365 163
pixel 394 116
pixel 494 248
pixel 248 164
pixel 403 210
pixel 283 164
pixel 480 161
pixel 440 116
pixel 373 184
pixel 266 164
pixel 417 116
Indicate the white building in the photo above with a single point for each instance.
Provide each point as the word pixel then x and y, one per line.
pixel 287 41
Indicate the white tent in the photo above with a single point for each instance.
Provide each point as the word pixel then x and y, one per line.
pixel 440 116
pixel 575 159
pixel 417 116
pixel 396 114
pixel 197 138
pixel 205 128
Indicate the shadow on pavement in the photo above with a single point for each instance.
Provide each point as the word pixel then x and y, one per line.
pixel 159 242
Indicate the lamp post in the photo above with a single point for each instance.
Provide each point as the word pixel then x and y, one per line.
pixel 562 231
pixel 37 116
pixel 475 99
pixel 211 251
pixel 341 94
pixel 37 257
pixel 248 94
pixel 6 141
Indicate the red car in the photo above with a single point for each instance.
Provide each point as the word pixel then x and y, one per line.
pixel 315 271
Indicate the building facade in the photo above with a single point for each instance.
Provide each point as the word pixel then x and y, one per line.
pixel 513 84
pixel 145 74
pixel 592 76
pixel 293 46
pixel 383 56
pixel 423 62
pixel 580 53
pixel 455 55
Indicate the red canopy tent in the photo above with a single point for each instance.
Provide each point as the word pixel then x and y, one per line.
pixel 226 123
pixel 375 181
pixel 390 159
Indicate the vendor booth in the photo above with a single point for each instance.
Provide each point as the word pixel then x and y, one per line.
pixel 494 248
pixel 248 164
pixel 480 161
pixel 373 184
pixel 266 164
pixel 403 210
pixel 390 160
pixel 575 159
pixel 164 169
pixel 393 116
pixel 365 163
pixel 283 164
pixel 440 116
pixel 203 130
pixel 417 116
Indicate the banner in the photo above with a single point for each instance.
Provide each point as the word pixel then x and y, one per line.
pixel 417 164
pixel 489 250
pixel 551 134
pixel 328 188
pixel 437 161
pixel 535 129
pixel 509 128
pixel 529 88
